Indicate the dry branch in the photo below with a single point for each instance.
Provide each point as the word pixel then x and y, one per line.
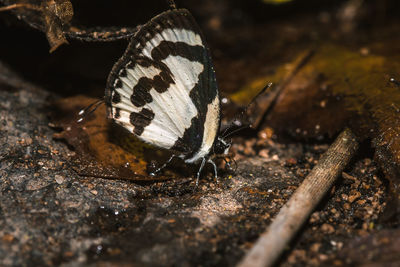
pixel 296 211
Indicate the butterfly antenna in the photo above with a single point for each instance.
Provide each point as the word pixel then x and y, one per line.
pixel 266 87
pixel 89 110
pixel 236 130
pixel 244 111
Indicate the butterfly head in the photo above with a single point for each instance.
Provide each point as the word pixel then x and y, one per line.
pixel 221 146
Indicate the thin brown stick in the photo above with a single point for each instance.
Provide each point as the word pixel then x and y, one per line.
pixel 14 6
pixel 296 211
pixel 265 102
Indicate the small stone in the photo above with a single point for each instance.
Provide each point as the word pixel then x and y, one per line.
pixel 346 206
pixel 314 262
pixel 327 228
pixel 315 217
pixel 248 150
pixel 297 255
pixel 291 161
pixel 361 202
pixel 7 238
pixel 68 254
pixel 338 263
pixel 94 192
pixel 266 133
pixel 264 153
pixel 90 186
pixel 323 257
pixel 348 176
pixel 315 247
pixel 367 162
pixel 59 179
pixel 354 195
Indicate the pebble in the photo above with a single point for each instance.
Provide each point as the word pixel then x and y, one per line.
pixel 315 247
pixel 28 141
pixel 297 255
pixel 354 195
pixel 323 257
pixel 264 153
pixel 7 238
pixel 59 179
pixel 327 228
pixel 361 202
pixel 291 161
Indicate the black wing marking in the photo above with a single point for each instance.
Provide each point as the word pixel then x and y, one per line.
pixel 171 26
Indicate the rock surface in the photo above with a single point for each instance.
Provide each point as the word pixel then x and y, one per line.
pixel 51 216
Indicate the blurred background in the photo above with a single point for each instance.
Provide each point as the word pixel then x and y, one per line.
pixel 247 39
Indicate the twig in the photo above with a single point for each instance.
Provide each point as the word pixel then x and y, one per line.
pixel 22 5
pixel 296 211
pixel 273 95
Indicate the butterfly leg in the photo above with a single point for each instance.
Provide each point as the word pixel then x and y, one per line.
pixel 163 166
pixel 203 162
pixel 215 169
pixel 228 164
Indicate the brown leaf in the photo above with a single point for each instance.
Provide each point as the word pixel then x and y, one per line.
pixel 102 148
pixel 339 87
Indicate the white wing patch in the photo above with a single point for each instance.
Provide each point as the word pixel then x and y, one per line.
pixel 172 35
pixel 128 82
pixel 173 109
pixel 124 120
pixel 210 131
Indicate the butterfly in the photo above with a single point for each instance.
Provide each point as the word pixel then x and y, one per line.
pixel 164 90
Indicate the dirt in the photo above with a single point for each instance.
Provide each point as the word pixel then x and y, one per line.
pixel 51 215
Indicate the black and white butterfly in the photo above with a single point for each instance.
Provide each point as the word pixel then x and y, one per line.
pixel 163 90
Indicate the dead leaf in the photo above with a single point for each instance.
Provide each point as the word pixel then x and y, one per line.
pixel 102 148
pixel 339 87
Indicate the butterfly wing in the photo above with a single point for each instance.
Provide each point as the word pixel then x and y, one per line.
pixel 164 89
